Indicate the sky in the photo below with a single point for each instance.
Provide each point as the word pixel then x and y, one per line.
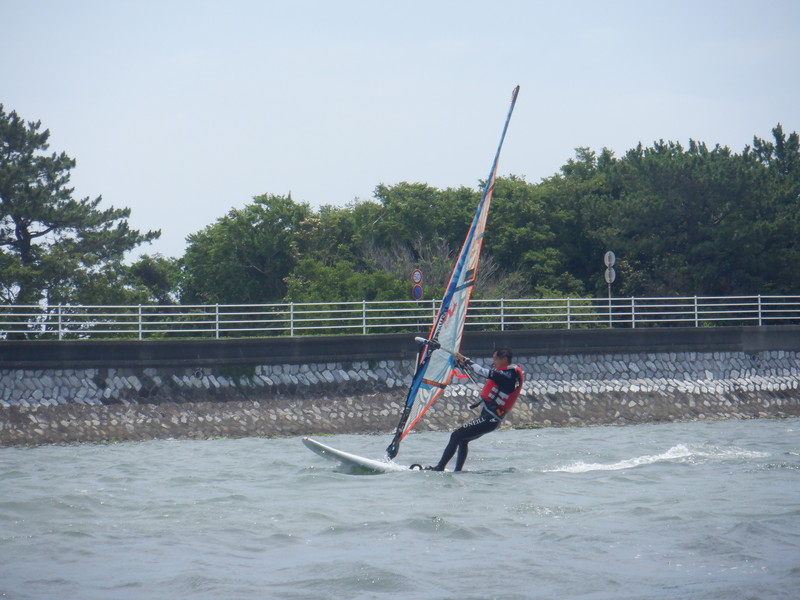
pixel 184 110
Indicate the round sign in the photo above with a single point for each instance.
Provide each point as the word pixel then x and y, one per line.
pixel 416 276
pixel 610 275
pixel 609 259
pixel 416 292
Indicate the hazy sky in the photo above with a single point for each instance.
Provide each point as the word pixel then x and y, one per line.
pixel 182 110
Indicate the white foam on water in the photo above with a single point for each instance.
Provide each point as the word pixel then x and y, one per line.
pixel 679 453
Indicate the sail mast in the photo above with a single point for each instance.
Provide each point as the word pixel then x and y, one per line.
pixel 434 364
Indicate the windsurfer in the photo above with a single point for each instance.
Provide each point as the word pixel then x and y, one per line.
pixel 503 385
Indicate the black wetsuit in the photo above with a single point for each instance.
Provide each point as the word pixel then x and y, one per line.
pixel 506 380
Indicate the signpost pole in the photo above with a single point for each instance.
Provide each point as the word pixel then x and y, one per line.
pixel 610 275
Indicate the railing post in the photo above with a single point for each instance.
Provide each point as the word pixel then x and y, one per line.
pixel 633 312
pixel 696 313
pixel 141 327
pixel 759 310
pixel 291 318
pixel 216 321
pixel 60 331
pixel 364 317
pixel 569 313
pixel 502 314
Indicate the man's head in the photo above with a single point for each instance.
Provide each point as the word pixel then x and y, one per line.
pixel 502 357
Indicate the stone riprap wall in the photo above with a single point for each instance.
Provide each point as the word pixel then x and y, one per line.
pixel 42 406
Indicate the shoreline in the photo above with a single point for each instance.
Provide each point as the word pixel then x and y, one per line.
pixel 97 405
pixel 80 424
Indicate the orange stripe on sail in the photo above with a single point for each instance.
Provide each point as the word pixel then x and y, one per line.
pixel 410 426
pixel 438 384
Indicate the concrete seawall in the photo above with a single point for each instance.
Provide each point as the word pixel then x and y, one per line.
pixel 88 392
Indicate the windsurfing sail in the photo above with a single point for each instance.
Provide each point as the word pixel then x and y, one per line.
pixel 435 359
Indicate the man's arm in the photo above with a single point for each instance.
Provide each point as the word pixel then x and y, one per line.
pixel 467 363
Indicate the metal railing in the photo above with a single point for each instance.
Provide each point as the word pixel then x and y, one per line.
pixel 242 320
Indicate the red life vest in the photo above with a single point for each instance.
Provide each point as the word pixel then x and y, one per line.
pixel 497 401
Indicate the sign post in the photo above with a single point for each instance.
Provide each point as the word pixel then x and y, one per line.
pixel 610 275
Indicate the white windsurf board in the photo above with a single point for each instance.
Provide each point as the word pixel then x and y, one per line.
pixel 353 461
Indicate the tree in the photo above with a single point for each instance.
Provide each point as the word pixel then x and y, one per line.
pixel 51 244
pixel 700 220
pixel 682 221
pixel 246 255
pixel 521 236
pixel 312 281
pixel 155 278
pixel 777 232
pixel 413 211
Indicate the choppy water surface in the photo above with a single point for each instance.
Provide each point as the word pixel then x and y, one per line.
pixel 692 510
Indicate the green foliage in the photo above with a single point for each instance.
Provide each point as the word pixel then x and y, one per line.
pixel 245 256
pixel 54 248
pixel 157 277
pixel 775 217
pixel 521 234
pixel 681 220
pixel 415 211
pixel 698 221
pixel 414 227
pixel 312 281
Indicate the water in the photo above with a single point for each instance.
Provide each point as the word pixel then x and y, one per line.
pixel 692 510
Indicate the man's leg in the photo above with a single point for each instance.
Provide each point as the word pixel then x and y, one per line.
pixel 449 450
pixel 463 450
pixel 461 437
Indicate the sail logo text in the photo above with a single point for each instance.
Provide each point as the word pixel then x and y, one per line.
pixel 450 312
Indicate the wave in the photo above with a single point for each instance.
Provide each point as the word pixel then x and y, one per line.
pixel 681 453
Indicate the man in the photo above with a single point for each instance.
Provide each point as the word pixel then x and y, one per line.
pixel 503 385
